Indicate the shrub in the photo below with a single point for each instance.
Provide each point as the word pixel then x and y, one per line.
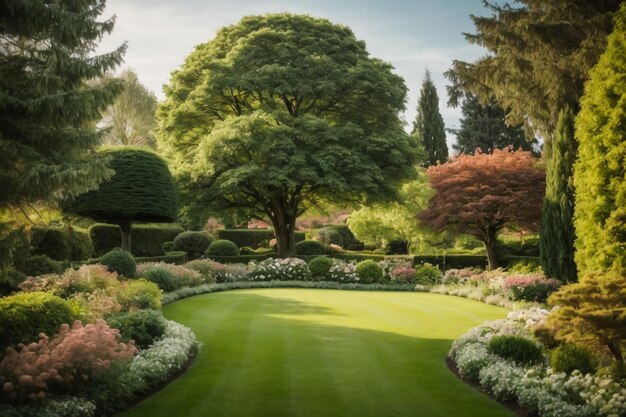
pixel 170 258
pixel 138 294
pixel 344 272
pixel 204 267
pixel 330 237
pixel 397 247
pixel 320 268
pixel 167 247
pixel 229 272
pixel 147 239
pixel 162 277
pixel 184 276
pixel 403 275
pixel 41 265
pixel 120 261
pixel 427 274
pixel 50 241
pixel 569 357
pixel 143 326
pixel 254 238
pixel 95 305
pixel 24 315
pixel 222 247
pixel 87 278
pixel 194 243
pixel 516 348
pixel 348 240
pixel 288 269
pixel 310 247
pixel 369 272
pixel 530 287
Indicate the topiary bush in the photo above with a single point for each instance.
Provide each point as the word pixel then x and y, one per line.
pixel 24 315
pixel 120 261
pixel 41 265
pixel 310 248
pixel 222 247
pixel 163 278
pixel 142 326
pixel 147 239
pixel 569 357
pixel 427 274
pixel 516 348
pixel 369 271
pixel 320 268
pixel 194 243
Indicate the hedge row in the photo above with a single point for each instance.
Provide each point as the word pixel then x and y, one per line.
pixel 59 243
pixel 253 238
pixel 146 239
pixel 445 262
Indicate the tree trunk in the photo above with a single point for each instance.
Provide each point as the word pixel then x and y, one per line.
pixel 125 226
pixel 489 239
pixel 616 352
pixel 284 228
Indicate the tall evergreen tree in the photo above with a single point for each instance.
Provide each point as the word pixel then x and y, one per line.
pixel 483 127
pixel 557 225
pixel 48 108
pixel 428 125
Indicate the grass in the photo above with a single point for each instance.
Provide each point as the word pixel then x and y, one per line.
pixel 323 353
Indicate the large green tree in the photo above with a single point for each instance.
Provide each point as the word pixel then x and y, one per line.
pixel 48 108
pixel 428 125
pixel 279 111
pixel 483 127
pixel 131 119
pixel 557 218
pixel 600 170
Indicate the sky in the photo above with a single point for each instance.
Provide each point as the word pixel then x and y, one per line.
pixel 412 35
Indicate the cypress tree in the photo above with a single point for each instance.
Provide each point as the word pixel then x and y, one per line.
pixel 557 224
pixel 49 104
pixel 428 125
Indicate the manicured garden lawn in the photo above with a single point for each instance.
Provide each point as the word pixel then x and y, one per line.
pixel 323 353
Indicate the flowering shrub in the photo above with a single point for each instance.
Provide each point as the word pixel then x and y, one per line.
pixel 185 277
pixel 427 274
pixel 94 305
pixel 288 269
pixel 403 275
pixel 229 272
pixel 343 272
pixel 85 279
pixel 204 267
pixel 533 287
pixel 71 359
pixel 458 276
pixel 389 265
pixel 137 294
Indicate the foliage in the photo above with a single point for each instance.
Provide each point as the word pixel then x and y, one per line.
pixel 222 247
pixel 287 269
pixel 148 239
pixel 204 267
pixel 320 268
pixel 569 357
pixel 519 349
pixel 369 272
pixel 24 315
pixel 60 243
pixel 481 194
pixel 163 278
pixel 427 274
pixel 194 243
pixel 348 240
pixel 557 217
pixel 131 120
pixel 254 238
pixel 310 247
pixel 330 237
pixel 484 127
pixel 143 326
pixel 184 276
pixel 526 246
pixel 41 265
pixel 48 108
pixel 139 294
pixel 428 126
pixel 120 261
pixel 280 111
pixel 87 278
pixel 142 190
pixel 599 176
pixel 344 272
pixel 534 288
pixel 592 311
pixel 230 272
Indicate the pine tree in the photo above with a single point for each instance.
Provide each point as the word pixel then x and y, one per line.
pixel 49 103
pixel 557 225
pixel 428 125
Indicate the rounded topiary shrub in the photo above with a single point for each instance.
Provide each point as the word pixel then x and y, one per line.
pixel 516 348
pixel 320 268
pixel 194 243
pixel 569 357
pixel 142 326
pixel 427 274
pixel 40 265
pixel 222 247
pixel 163 278
pixel 369 271
pixel 120 261
pixel 310 248
pixel 24 315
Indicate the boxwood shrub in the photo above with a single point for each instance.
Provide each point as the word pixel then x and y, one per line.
pixel 369 271
pixel 253 238
pixel 310 247
pixel 142 326
pixel 120 261
pixel 519 349
pixel 222 247
pixel 320 268
pixel 194 243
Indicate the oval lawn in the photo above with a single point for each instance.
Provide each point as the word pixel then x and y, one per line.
pixel 323 353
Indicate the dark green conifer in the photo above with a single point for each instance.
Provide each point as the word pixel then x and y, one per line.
pixel 428 125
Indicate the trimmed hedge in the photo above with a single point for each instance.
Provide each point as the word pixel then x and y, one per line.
pixel 253 238
pixel 222 247
pixel 175 257
pixel 120 261
pixel 41 265
pixel 531 261
pixel 56 243
pixel 445 262
pixel 146 239
pixel 194 243
pixel 310 247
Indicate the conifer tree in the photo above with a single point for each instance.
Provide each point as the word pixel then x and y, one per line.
pixel 428 125
pixel 557 225
pixel 48 107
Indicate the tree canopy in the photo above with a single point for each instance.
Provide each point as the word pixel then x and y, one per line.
pixel 48 108
pixel 280 111
pixel 483 193
pixel 428 125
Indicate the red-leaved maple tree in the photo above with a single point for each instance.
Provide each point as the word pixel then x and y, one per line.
pixel 481 194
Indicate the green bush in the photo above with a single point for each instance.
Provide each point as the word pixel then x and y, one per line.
pixel 516 348
pixel 146 239
pixel 445 262
pixel 427 274
pixel 41 265
pixel 169 258
pixel 119 261
pixel 194 243
pixel 204 267
pixel 522 264
pixel 24 315
pixel 167 247
pixel 349 241
pixel 320 268
pixel 10 281
pixel 369 272
pixel 310 247
pixel 569 357
pixel 139 294
pixel 222 247
pixel 142 326
pixel 506 246
pixel 254 238
pixel 163 278
pixel 397 247
pixel 330 236
pixel 60 244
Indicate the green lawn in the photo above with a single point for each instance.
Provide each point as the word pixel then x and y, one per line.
pixel 323 353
